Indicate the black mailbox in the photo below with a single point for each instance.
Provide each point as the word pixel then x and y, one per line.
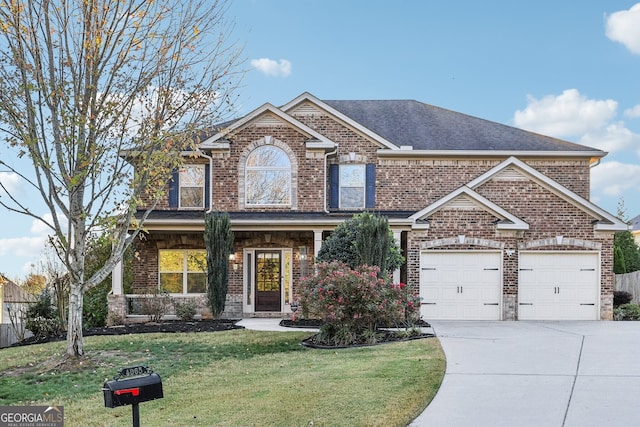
pixel 131 391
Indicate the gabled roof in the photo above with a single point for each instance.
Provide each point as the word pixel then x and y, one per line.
pixel 635 223
pixel 353 123
pixel 426 127
pixel 605 221
pixel 258 112
pixel 508 221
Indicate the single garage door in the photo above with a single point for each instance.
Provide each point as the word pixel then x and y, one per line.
pixel 461 285
pixel 559 286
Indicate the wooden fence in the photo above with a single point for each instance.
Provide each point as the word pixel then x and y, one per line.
pixel 629 282
pixel 7 336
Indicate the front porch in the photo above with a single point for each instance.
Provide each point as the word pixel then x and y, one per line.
pixel 263 271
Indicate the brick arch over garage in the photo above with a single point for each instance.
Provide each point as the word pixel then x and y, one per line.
pixel 560 241
pixel 462 240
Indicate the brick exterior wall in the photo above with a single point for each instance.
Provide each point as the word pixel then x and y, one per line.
pixel 401 184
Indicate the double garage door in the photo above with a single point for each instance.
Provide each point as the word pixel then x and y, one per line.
pixel 467 285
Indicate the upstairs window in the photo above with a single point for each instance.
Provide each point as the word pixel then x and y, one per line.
pixel 268 177
pixel 192 180
pixel 352 186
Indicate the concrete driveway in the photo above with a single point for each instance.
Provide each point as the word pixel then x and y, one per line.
pixel 537 374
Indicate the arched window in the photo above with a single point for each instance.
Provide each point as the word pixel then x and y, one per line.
pixel 268 177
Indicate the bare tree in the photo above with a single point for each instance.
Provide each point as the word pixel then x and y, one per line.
pixel 84 81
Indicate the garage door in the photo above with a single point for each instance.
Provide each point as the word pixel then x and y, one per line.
pixel 559 286
pixel 461 285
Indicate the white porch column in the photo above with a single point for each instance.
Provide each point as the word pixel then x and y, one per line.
pixel 317 243
pixel 116 279
pixel 396 273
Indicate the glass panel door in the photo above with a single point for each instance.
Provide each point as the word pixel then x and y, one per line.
pixel 268 280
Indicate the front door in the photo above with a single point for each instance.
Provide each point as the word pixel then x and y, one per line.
pixel 268 280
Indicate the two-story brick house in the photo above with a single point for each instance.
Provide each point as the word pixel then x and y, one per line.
pixel 495 222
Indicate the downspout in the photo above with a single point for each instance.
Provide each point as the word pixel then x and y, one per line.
pixel 326 209
pixel 210 180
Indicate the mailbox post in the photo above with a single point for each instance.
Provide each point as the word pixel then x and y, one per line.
pixel 130 387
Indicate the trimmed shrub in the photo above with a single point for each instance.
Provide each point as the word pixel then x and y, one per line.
pixel 627 312
pixel 353 303
pixel 364 239
pixel 155 306
pixel 185 310
pixel 218 239
pixel 95 308
pixel 42 317
pixel 621 297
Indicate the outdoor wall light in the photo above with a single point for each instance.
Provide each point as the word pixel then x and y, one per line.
pixel 302 253
pixel 232 257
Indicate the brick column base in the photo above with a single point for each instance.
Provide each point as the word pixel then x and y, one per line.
pixel 117 310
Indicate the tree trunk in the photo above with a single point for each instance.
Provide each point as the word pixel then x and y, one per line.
pixel 75 345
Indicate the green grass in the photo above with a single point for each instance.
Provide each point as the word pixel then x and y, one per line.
pixel 235 378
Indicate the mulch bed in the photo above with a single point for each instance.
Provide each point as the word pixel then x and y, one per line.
pixel 386 336
pixel 145 328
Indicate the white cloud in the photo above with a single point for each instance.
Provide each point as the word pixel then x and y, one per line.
pixel 624 27
pixel 271 67
pixel 12 182
pixel 22 246
pixel 39 228
pixel 633 112
pixel 612 138
pixel 614 178
pixel 568 114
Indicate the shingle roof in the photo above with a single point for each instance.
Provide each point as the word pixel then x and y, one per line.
pixel 635 223
pixel 426 127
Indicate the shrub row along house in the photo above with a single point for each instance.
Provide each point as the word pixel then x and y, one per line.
pixel 495 222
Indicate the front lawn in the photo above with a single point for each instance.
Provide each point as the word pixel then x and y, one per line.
pixel 235 378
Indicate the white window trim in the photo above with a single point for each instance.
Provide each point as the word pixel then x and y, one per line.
pixel 204 184
pixel 364 187
pixel 268 168
pixel 184 272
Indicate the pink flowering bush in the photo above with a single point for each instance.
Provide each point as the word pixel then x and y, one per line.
pixel 353 303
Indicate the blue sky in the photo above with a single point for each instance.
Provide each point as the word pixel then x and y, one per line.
pixel 565 69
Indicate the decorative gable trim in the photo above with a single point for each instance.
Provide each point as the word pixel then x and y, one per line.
pixel 268 113
pixel 605 220
pixel 307 98
pixel 306 109
pixel 268 120
pixel 466 198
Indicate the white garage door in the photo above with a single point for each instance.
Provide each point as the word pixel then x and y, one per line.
pixel 461 285
pixel 559 286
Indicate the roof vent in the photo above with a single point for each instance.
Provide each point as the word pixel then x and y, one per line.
pixel 406 147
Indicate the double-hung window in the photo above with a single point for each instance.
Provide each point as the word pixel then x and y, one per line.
pixel 192 186
pixel 183 271
pixel 352 186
